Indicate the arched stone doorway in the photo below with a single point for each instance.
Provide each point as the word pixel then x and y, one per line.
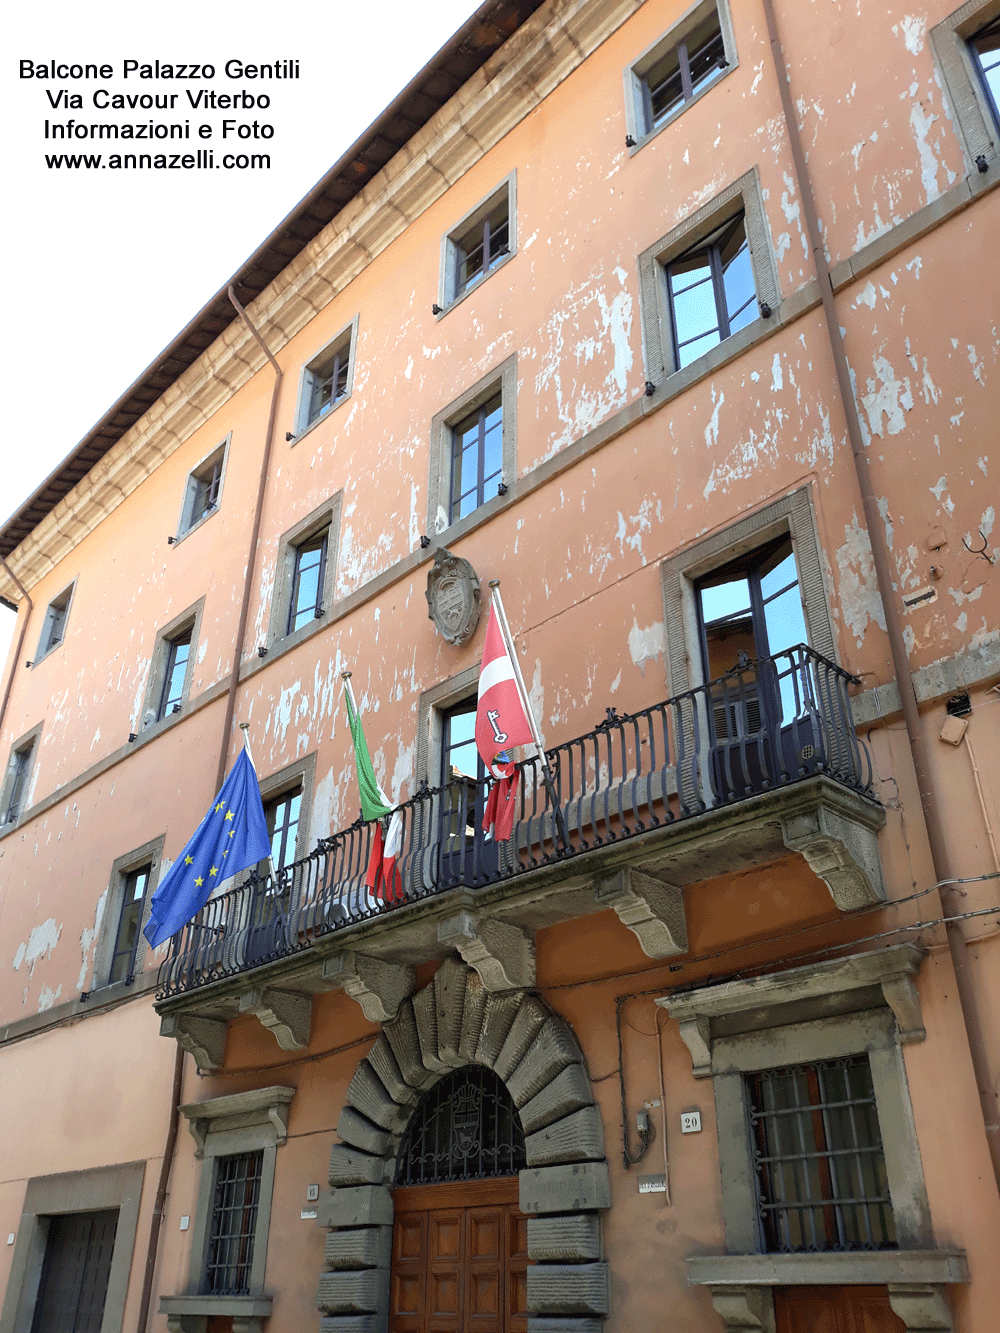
pixel 451 1023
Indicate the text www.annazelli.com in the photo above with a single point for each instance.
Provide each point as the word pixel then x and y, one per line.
pixel 203 159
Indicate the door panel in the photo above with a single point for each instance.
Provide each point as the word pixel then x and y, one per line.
pixel 461 1268
pixel 835 1310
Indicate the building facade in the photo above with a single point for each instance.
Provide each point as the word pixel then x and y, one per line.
pixel 680 322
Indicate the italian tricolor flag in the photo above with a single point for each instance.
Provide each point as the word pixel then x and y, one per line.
pixel 383 879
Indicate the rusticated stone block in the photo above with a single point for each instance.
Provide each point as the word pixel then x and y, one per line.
pixel 529 1018
pixel 368 1095
pixel 425 1013
pixel 363 1247
pixel 356 1206
pixel 472 1017
pixel 382 1060
pixel 571 1188
pixel 577 1138
pixel 552 1050
pixel 350 1166
pixel 567 1092
pixel 404 1042
pixel 568 1289
pixel 498 1018
pixel 449 995
pixel 563 1238
pixel 564 1325
pixel 358 1292
pixel 360 1133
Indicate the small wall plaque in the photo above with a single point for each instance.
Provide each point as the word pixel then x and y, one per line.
pixel 652 1184
pixel 453 597
pixel 309 1214
pixel 690 1122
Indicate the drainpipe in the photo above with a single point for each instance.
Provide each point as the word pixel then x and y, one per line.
pixel 20 641
pixel 893 618
pixel 161 1192
pixel 234 679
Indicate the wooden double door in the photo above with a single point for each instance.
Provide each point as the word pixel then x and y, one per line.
pixel 459 1259
pixel 835 1310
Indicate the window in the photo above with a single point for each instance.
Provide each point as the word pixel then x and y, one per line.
pixel 309 567
pixel 477 458
pixel 678 69
pixel 306 572
pixel 16 784
pixel 204 489
pixel 175 674
pixel 707 282
pixel 237 1137
pixel 54 625
pixel 327 379
pixel 483 240
pixel 985 47
pixel 466 1128
pixel 234 1223
pixel 819 1163
pixel 282 815
pixel 473 449
pixel 170 671
pixel 70 1262
pixel 967 48
pixel 129 923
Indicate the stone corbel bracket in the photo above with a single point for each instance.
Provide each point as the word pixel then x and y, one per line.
pixel 841 847
pixel 893 970
pixel 503 955
pixel 204 1038
pixel 651 909
pixel 288 1014
pixel 379 987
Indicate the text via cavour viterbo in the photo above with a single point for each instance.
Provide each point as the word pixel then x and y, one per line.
pixel 154 115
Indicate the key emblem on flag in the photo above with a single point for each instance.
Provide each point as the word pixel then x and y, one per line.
pixel 500 718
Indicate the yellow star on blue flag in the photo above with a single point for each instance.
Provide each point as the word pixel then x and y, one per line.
pixel 234 828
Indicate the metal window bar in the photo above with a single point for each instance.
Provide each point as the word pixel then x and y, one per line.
pixel 466 1128
pixel 819 1163
pixel 629 775
pixel 234 1221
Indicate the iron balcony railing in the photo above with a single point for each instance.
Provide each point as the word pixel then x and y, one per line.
pixel 764 725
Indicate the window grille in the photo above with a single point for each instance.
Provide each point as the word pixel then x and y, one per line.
pixel 711 291
pixel 127 938
pixel 307 581
pixel 820 1168
pixel 683 71
pixel 985 47
pixel 178 652
pixel 466 1128
pixel 477 458
pixel 234 1221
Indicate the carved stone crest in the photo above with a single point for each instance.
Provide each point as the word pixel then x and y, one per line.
pixel 453 597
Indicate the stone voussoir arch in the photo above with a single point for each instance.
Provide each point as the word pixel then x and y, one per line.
pixel 452 1022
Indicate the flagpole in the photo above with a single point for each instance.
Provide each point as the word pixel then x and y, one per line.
pixel 550 786
pixel 245 728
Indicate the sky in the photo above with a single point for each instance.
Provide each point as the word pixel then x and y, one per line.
pixel 108 266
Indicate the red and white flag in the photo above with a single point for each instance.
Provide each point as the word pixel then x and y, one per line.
pixel 383 879
pixel 501 721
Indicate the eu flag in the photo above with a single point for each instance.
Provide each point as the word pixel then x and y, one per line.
pixel 232 836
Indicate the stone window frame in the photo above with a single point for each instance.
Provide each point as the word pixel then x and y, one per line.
pixel 448 296
pixel 503 380
pixel 150 853
pixel 971 112
pixel 46 645
pixel 324 516
pixel 865 1003
pixel 347 336
pixel 634 74
pixel 30 740
pixel 184 525
pixel 253 1121
pixel 654 300
pixel 190 618
pixel 71 1192
pixel 431 707
pixel 301 773
pixel 793 515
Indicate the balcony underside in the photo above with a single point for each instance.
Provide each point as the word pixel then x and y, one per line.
pixel 641 877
